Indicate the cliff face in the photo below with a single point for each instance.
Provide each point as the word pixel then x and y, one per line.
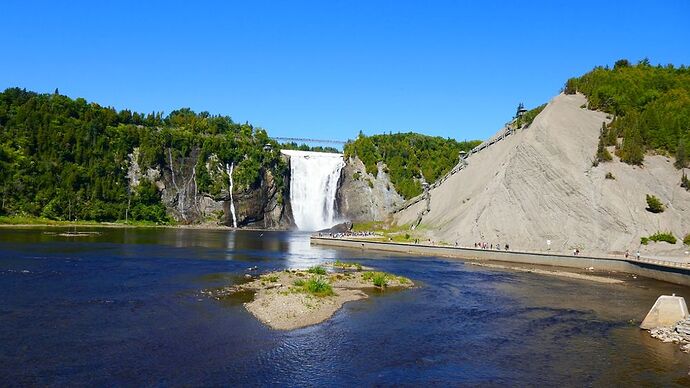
pixel 263 206
pixel 540 185
pixel 363 197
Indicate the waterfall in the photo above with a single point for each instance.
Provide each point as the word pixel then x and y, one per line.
pixel 228 169
pixel 313 184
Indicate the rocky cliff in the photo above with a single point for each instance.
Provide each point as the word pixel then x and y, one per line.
pixel 364 197
pixel 264 205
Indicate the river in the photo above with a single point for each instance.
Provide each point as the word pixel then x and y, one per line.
pixel 124 307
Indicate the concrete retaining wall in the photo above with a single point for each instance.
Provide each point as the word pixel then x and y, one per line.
pixel 664 271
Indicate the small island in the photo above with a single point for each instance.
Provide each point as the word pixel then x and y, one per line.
pixel 291 299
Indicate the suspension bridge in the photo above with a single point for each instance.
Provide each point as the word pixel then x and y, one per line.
pixel 305 140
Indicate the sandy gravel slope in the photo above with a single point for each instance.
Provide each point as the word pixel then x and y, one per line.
pixel 539 185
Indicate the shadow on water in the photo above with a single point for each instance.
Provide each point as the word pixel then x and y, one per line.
pixel 123 308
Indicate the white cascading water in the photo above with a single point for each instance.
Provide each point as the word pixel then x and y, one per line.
pixel 228 169
pixel 313 184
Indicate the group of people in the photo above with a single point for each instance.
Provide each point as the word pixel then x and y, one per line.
pixel 347 234
pixel 485 245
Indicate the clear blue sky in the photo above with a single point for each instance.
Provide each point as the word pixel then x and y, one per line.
pixel 327 69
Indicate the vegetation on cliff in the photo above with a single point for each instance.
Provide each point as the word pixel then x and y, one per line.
pixel 305 147
pixel 650 104
pixel 64 158
pixel 409 158
pixel 527 118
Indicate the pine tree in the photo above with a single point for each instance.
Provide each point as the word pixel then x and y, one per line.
pixel 684 182
pixel 632 151
pixel 603 154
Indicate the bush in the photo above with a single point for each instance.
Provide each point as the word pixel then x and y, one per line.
pixel 654 205
pixel 318 286
pixel 379 279
pixel 610 176
pixel 663 236
pixel 644 240
pixel 317 270
pixel 686 239
pixel 684 182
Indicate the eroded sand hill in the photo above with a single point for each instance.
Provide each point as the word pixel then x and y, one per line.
pixel 539 184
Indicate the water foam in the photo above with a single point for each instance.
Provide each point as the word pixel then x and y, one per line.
pixel 313 184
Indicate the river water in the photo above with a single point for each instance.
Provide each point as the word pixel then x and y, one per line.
pixel 124 307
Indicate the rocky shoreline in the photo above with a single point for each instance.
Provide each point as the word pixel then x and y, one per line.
pixel 677 334
pixel 291 299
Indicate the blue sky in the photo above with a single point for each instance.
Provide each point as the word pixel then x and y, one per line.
pixel 328 69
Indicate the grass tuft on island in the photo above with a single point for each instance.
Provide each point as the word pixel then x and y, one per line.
pixel 291 299
pixel 316 286
pixel 345 265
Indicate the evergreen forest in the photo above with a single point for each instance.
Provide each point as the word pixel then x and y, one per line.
pixel 67 159
pixel 409 158
pixel 650 106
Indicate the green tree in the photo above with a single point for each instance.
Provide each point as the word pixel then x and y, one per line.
pixel 632 151
pixel 603 154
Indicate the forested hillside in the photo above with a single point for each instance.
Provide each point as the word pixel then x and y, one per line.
pixel 408 157
pixel 305 147
pixel 68 159
pixel 650 104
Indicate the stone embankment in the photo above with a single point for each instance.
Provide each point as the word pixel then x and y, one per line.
pixel 664 270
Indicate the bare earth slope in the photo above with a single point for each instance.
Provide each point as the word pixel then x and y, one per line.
pixel 539 184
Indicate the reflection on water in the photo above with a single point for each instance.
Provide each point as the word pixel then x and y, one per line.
pixel 124 308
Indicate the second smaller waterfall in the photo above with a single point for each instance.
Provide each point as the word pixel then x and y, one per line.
pixel 228 169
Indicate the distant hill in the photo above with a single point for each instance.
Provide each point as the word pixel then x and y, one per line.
pixel 64 158
pixel 409 158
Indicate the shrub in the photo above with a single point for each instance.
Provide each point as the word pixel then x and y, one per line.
pixel 318 286
pixel 686 239
pixel 299 282
pixel 663 236
pixel 684 182
pixel 317 270
pixel 356 176
pixel 380 280
pixel 654 205
pixel 644 240
pixel 610 176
